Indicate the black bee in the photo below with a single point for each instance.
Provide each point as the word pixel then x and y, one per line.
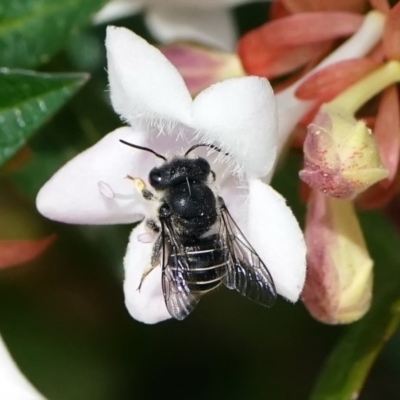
pixel 199 244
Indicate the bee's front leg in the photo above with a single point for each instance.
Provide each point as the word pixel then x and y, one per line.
pixel 141 187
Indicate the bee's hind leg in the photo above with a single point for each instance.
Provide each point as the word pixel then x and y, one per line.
pixel 141 187
pixel 144 275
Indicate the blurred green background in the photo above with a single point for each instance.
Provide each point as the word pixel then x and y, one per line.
pixel 63 315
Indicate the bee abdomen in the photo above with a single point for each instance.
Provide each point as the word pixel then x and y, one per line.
pixel 207 262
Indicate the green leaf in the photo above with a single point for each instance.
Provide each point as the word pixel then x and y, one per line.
pixel 31 31
pixel 350 362
pixel 27 100
pixel 79 125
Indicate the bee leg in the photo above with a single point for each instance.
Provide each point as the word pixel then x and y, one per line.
pixel 155 258
pixel 151 224
pixel 213 175
pixel 145 273
pixel 141 187
pixel 154 261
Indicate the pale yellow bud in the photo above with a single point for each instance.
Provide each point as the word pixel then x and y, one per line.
pixel 338 286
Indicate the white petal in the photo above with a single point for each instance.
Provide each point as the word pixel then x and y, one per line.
pixel 14 385
pixel 240 115
pixel 146 305
pixel 145 87
pixel 92 188
pixel 290 109
pixel 276 236
pixel 213 27
pixel 117 9
pixel 235 192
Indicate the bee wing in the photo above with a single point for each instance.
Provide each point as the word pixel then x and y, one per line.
pixel 180 301
pixel 246 272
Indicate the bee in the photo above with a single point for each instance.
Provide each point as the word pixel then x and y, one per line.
pixel 199 245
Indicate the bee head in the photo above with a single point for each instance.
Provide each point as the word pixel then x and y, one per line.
pixel 177 170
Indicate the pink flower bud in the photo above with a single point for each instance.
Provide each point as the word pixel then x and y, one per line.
pixel 341 158
pixel 201 67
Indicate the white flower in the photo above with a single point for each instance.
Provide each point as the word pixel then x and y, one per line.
pixel 14 385
pixel 209 22
pixel 238 115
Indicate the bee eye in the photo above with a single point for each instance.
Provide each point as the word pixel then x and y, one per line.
pixel 155 177
pixel 204 165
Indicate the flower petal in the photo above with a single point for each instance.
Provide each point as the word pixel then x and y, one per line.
pixel 146 305
pixel 391 37
pixel 339 277
pixel 278 10
pixel 14 385
pixel 328 5
pixel 276 236
pixel 291 109
pixel 380 5
pixel 379 196
pixel 271 62
pixel 73 194
pixel 117 9
pixel 145 87
pixel 307 28
pixel 327 83
pixel 235 193
pixel 283 45
pixel 386 131
pixel 240 115
pixel 213 27
pixel 341 157
pixel 201 67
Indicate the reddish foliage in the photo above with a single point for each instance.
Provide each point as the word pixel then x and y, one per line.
pixel 387 132
pixel 391 36
pixel 376 54
pixel 287 44
pixel 327 83
pixel 382 193
pixel 378 196
pixel 307 28
pixel 305 192
pixel 380 5
pixel 326 5
pixel 15 252
pixel 271 63
pixel 298 136
pixel 20 159
pixel 310 116
pixel 278 10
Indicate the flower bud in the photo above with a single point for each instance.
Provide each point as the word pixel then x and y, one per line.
pixel 201 67
pixel 341 158
pixel 338 286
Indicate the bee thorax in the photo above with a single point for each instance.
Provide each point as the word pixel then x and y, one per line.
pixel 193 207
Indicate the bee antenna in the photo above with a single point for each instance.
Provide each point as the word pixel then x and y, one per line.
pixel 211 146
pixel 143 148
